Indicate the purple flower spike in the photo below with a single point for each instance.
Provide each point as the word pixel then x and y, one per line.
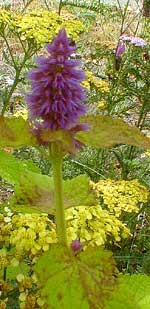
pixel 57 92
pixel 76 246
pixel 120 50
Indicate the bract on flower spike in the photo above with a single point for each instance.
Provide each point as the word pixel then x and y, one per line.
pixel 55 101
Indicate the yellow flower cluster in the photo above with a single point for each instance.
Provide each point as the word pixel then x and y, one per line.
pixel 94 226
pixel 101 85
pixel 121 196
pixel 22 113
pixel 147 153
pixel 92 81
pixel 27 297
pixel 42 26
pixel 32 233
pixel 4 260
pixel 27 285
pixel 102 104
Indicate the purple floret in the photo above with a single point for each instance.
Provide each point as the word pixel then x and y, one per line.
pixel 57 92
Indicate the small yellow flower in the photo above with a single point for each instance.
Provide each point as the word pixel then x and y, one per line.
pixel 22 113
pixel 86 84
pixel 147 153
pixel 101 104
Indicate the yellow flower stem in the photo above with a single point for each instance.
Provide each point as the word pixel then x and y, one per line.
pixel 56 157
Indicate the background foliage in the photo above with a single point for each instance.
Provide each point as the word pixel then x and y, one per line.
pixel 106 184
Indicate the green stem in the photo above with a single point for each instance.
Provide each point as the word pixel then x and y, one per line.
pixel 8 97
pixel 26 5
pixel 57 160
pixel 10 51
pixel 5 274
pixel 60 7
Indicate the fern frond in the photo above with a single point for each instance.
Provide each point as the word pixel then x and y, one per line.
pixel 92 5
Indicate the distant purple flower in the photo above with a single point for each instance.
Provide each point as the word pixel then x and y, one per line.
pixel 120 49
pixel 125 38
pixel 57 92
pixel 136 41
pixel 76 246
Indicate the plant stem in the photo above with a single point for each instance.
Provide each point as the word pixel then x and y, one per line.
pixel 5 273
pixel 8 97
pixel 10 51
pixel 26 5
pixel 57 160
pixel 60 7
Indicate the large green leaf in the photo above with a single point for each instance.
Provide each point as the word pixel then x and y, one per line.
pixel 75 281
pixel 12 169
pixel 15 132
pixel 106 132
pixel 37 191
pixel 136 287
